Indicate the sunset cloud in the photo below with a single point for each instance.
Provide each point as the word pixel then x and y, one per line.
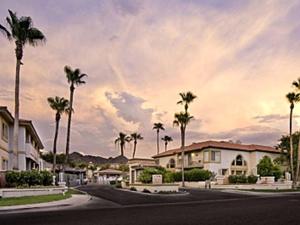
pixel 238 57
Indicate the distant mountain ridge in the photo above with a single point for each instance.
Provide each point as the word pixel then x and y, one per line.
pixel 79 158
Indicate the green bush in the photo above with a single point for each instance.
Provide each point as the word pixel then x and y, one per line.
pixel 112 182
pixel 132 189
pixel 146 174
pixel 237 179
pixel 192 175
pixel 169 177
pixel 252 179
pixel 266 168
pixel 146 191
pixel 28 178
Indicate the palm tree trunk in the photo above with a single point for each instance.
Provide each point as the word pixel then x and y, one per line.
pixel 292 149
pixel 297 166
pixel 55 142
pixel 166 144
pixel 182 154
pixel 19 55
pixel 134 149
pixel 69 123
pixel 157 140
pixel 122 149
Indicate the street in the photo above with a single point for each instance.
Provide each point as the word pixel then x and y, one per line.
pixel 198 207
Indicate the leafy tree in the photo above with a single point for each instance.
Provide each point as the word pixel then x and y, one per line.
pixel 75 79
pixel 166 139
pixel 59 105
pixel 266 167
pixel 158 127
pixel 21 31
pixel 60 158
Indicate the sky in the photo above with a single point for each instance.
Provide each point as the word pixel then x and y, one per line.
pixel 239 57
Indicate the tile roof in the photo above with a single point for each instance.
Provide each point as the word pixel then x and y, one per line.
pixel 220 145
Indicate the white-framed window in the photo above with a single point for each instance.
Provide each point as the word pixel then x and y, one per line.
pixel 215 156
pixel 206 156
pixel 171 163
pixel 4 164
pixel 4 130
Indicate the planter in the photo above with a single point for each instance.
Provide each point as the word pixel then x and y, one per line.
pixel 267 180
pixel 15 192
pixel 156 188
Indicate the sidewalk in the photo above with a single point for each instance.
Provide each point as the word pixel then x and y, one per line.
pixel 75 200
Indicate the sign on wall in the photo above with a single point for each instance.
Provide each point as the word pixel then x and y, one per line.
pixel 157 179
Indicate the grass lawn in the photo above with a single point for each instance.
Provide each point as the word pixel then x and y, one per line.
pixel 34 199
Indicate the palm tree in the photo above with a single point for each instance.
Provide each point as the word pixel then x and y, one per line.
pixel 22 32
pixel 60 105
pixel 166 139
pixel 134 137
pixel 181 120
pixel 296 84
pixel 158 127
pixel 186 99
pixel 122 139
pixel 75 78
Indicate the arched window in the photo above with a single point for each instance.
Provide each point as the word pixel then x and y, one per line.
pixel 239 161
pixel 171 163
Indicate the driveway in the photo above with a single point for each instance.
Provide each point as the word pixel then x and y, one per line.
pixel 123 197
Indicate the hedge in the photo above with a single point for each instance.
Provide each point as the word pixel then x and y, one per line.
pixel 266 167
pixel 28 178
pixel 193 175
pixel 242 179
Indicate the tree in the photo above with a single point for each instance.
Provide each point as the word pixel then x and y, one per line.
pixel 166 139
pixel 134 137
pixel 60 106
pixel 266 167
pixel 158 127
pixel 75 78
pixel 296 84
pixel 186 99
pixel 181 120
pixel 122 139
pixel 292 98
pixel 22 32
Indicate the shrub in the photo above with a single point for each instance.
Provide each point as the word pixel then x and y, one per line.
pixel 252 179
pixel 237 179
pixel 146 191
pixel 112 182
pixel 132 189
pixel 197 175
pixel 118 185
pixel 28 178
pixel 169 177
pixel 146 174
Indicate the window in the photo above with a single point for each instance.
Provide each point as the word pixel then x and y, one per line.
pixel 206 156
pixel 4 131
pixel 4 164
pixel 27 137
pixel 239 161
pixel 171 163
pixel 215 156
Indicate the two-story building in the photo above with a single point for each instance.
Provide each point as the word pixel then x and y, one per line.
pixel 220 157
pixel 28 155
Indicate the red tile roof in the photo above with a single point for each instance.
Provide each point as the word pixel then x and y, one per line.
pixel 220 145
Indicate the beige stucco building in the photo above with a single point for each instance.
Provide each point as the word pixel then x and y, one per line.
pixel 222 158
pixel 28 156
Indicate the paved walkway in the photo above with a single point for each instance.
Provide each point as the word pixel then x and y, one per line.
pixel 75 200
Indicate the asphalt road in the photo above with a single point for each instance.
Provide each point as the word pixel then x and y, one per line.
pixel 209 208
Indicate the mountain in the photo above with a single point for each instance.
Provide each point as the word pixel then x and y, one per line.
pixel 79 158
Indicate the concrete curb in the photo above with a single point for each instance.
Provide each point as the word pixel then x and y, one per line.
pixel 75 200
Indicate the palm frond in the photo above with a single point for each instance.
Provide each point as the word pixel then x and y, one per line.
pixel 5 32
pixel 35 37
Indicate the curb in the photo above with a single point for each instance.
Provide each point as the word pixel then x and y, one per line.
pixel 70 202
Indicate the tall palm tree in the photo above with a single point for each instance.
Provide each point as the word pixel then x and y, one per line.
pixel 135 137
pixel 296 84
pixel 122 139
pixel 158 127
pixel 22 32
pixel 75 78
pixel 186 99
pixel 292 98
pixel 181 120
pixel 166 139
pixel 60 106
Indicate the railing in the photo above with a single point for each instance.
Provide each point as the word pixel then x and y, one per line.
pixel 31 151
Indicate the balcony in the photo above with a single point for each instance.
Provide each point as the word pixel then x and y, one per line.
pixel 31 152
pixel 190 164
